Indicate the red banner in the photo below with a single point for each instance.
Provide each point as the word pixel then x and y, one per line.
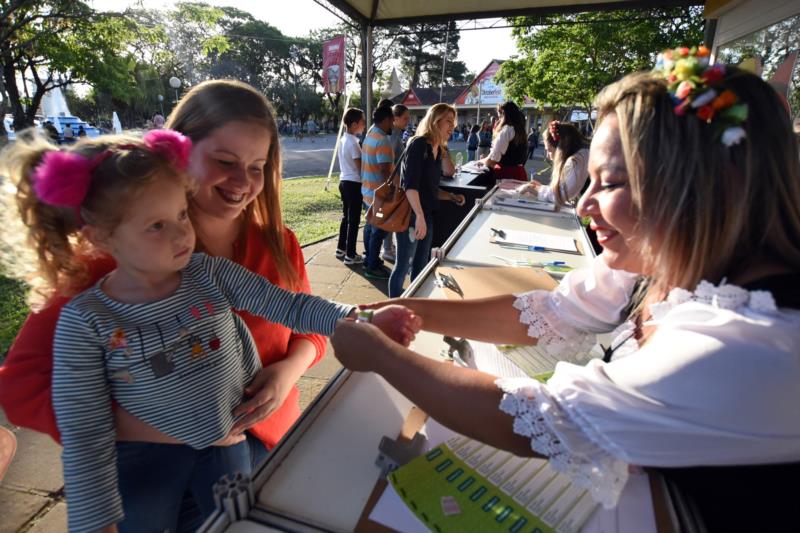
pixel 333 65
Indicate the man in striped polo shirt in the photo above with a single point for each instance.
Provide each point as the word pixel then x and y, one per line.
pixel 377 158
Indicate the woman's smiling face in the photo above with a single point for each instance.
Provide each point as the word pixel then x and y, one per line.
pixel 228 166
pixel 608 201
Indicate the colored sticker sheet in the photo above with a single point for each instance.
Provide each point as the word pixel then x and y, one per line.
pixel 476 488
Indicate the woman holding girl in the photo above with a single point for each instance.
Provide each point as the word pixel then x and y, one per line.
pixel 697 278
pixel 510 144
pixel 425 160
pixel 235 211
pixel 567 148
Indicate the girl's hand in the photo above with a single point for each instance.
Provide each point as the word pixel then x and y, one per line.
pixel 421 229
pixel 358 345
pixel 398 323
pixel 267 392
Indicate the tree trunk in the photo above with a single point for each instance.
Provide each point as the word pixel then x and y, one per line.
pixel 10 81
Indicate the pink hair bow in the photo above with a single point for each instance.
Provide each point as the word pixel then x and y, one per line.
pixel 173 146
pixel 62 179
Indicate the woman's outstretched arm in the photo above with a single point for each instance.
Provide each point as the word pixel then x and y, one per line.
pixel 465 400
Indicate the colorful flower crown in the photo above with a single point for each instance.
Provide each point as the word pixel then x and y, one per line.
pixel 696 86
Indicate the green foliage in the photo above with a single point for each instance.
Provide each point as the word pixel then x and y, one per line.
pixel 421 48
pixel 13 310
pixel 568 60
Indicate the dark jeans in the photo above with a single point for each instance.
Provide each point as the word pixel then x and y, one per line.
pixel 531 148
pixel 153 478
pixel 373 238
pixel 351 216
pixel 418 253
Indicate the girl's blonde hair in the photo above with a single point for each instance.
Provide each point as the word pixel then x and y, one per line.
pixel 213 104
pixel 708 211
pixel 570 141
pixel 428 126
pixel 54 232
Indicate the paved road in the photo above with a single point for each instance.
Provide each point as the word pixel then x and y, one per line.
pixel 306 158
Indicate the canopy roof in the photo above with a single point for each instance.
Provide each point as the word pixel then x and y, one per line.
pixel 390 12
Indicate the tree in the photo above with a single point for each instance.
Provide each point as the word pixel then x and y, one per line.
pixel 50 44
pixel 567 59
pixel 421 48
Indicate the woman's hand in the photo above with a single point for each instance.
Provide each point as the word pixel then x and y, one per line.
pixel 267 392
pixel 398 323
pixel 230 439
pixel 358 345
pixel 420 228
pixel 458 199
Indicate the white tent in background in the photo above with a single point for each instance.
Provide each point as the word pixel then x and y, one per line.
pixel 116 123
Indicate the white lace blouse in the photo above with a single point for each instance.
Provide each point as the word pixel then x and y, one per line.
pixel 718 383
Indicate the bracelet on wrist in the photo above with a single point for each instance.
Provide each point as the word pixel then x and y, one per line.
pixel 365 315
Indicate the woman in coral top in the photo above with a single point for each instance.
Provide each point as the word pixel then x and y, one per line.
pixel 236 213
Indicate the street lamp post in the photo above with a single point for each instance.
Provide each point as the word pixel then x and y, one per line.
pixel 175 83
pixel 161 103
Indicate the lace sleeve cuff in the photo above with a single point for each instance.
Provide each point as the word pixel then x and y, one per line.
pixel 553 433
pixel 539 311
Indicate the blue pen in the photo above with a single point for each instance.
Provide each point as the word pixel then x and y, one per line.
pixel 523 247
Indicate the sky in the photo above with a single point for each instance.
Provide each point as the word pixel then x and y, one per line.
pixel 476 48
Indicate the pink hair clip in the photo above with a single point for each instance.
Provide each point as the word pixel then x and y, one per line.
pixel 62 179
pixel 170 144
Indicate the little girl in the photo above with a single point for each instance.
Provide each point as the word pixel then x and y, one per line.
pixel 157 335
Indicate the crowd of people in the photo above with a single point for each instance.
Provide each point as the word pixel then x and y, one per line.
pixel 139 367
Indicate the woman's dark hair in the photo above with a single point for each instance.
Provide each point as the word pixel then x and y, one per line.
pixel 512 116
pixel 475 129
pixel 351 116
pixel 398 110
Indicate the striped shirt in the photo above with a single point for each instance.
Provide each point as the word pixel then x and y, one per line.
pixel 376 150
pixel 180 364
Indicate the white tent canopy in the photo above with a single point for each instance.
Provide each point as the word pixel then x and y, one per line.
pixel 390 12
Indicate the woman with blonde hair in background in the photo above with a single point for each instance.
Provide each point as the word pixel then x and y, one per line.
pixel 420 172
pixel 695 197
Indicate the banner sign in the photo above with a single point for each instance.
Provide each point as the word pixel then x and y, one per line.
pixel 333 65
pixel 484 90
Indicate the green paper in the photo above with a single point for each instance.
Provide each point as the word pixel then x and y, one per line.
pixel 423 482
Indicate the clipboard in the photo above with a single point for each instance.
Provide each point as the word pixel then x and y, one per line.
pixel 484 282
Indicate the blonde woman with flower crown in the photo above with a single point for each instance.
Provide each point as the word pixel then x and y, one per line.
pixel 695 198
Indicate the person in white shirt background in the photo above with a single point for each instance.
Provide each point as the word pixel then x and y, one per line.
pixel 698 278
pixel 567 148
pixel 350 186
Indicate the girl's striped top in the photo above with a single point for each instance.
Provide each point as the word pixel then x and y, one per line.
pixel 180 364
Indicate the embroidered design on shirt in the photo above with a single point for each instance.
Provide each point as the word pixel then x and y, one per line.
pixel 122 374
pixel 117 340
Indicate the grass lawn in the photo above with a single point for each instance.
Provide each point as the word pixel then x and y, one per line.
pixel 13 310
pixel 310 211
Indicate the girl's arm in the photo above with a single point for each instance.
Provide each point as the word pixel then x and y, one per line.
pixel 472 398
pixel 82 403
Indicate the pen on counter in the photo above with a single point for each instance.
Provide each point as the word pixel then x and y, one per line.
pixel 523 247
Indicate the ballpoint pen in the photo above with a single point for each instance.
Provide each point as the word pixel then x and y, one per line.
pixel 522 247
